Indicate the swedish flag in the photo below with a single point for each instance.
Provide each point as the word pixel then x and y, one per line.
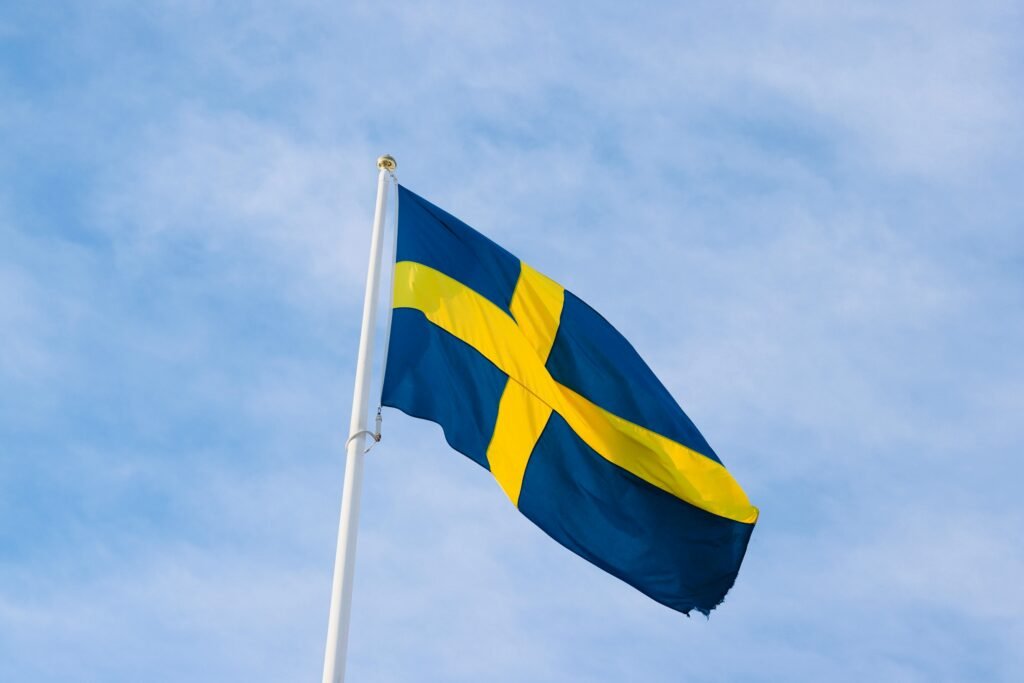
pixel 535 386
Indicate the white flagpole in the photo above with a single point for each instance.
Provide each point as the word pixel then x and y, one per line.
pixel 345 557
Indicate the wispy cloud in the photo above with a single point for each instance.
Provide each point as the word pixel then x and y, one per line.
pixel 805 218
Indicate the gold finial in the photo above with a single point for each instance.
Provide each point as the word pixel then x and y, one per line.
pixel 387 163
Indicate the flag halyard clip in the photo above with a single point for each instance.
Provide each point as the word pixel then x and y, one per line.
pixel 373 435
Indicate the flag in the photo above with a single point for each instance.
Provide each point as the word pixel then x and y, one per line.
pixel 532 384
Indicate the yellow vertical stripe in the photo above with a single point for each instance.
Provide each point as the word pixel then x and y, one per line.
pixel 521 419
pixel 537 308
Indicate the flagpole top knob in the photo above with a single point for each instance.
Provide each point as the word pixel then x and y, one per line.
pixel 387 163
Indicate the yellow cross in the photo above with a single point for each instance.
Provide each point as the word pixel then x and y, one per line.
pixel 519 347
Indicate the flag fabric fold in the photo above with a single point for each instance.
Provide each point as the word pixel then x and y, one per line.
pixel 532 384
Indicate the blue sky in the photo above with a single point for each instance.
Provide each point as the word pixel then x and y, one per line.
pixel 806 216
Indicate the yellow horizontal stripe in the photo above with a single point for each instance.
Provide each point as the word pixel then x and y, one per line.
pixel 668 465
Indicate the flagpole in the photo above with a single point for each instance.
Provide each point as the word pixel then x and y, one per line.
pixel 345 556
